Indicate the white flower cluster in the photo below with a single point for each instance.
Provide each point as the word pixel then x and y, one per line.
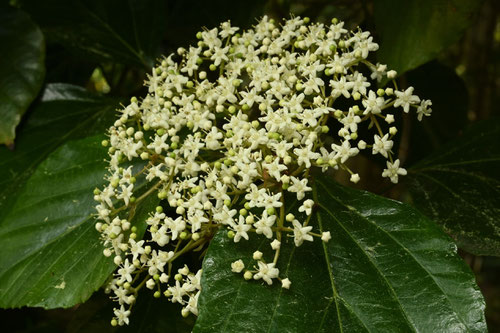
pixel 228 130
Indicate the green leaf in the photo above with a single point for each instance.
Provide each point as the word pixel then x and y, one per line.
pixel 387 268
pixel 51 253
pixel 21 69
pixel 127 32
pixel 459 187
pixel 65 112
pixel 413 32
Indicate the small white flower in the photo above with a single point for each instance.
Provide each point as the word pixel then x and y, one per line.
pixel 122 315
pixel 257 255
pixel 373 104
pixel 267 272
pixel 237 266
pixel 382 145
pixel 307 206
pixel 275 244
pixel 300 233
pixel 393 171
pixel 405 99
pixel 299 186
pixel 424 109
pixel 355 178
pixel 286 283
pixel 241 229
pixel 150 284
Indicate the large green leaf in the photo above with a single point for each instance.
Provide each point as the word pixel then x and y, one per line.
pixel 51 254
pixel 387 268
pixel 459 187
pixel 120 31
pixel 415 31
pixel 65 112
pixel 21 68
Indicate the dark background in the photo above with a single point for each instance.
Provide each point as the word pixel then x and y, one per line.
pixel 463 81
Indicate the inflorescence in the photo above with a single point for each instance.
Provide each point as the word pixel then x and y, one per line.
pixel 228 129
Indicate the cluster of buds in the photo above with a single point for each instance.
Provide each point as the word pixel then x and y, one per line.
pixel 226 139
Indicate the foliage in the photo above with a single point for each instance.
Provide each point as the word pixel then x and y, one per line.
pixel 388 267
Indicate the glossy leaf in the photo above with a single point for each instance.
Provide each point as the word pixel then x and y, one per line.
pixel 22 68
pixel 65 112
pixel 459 187
pixel 413 32
pixel 387 268
pixel 127 32
pixel 51 253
